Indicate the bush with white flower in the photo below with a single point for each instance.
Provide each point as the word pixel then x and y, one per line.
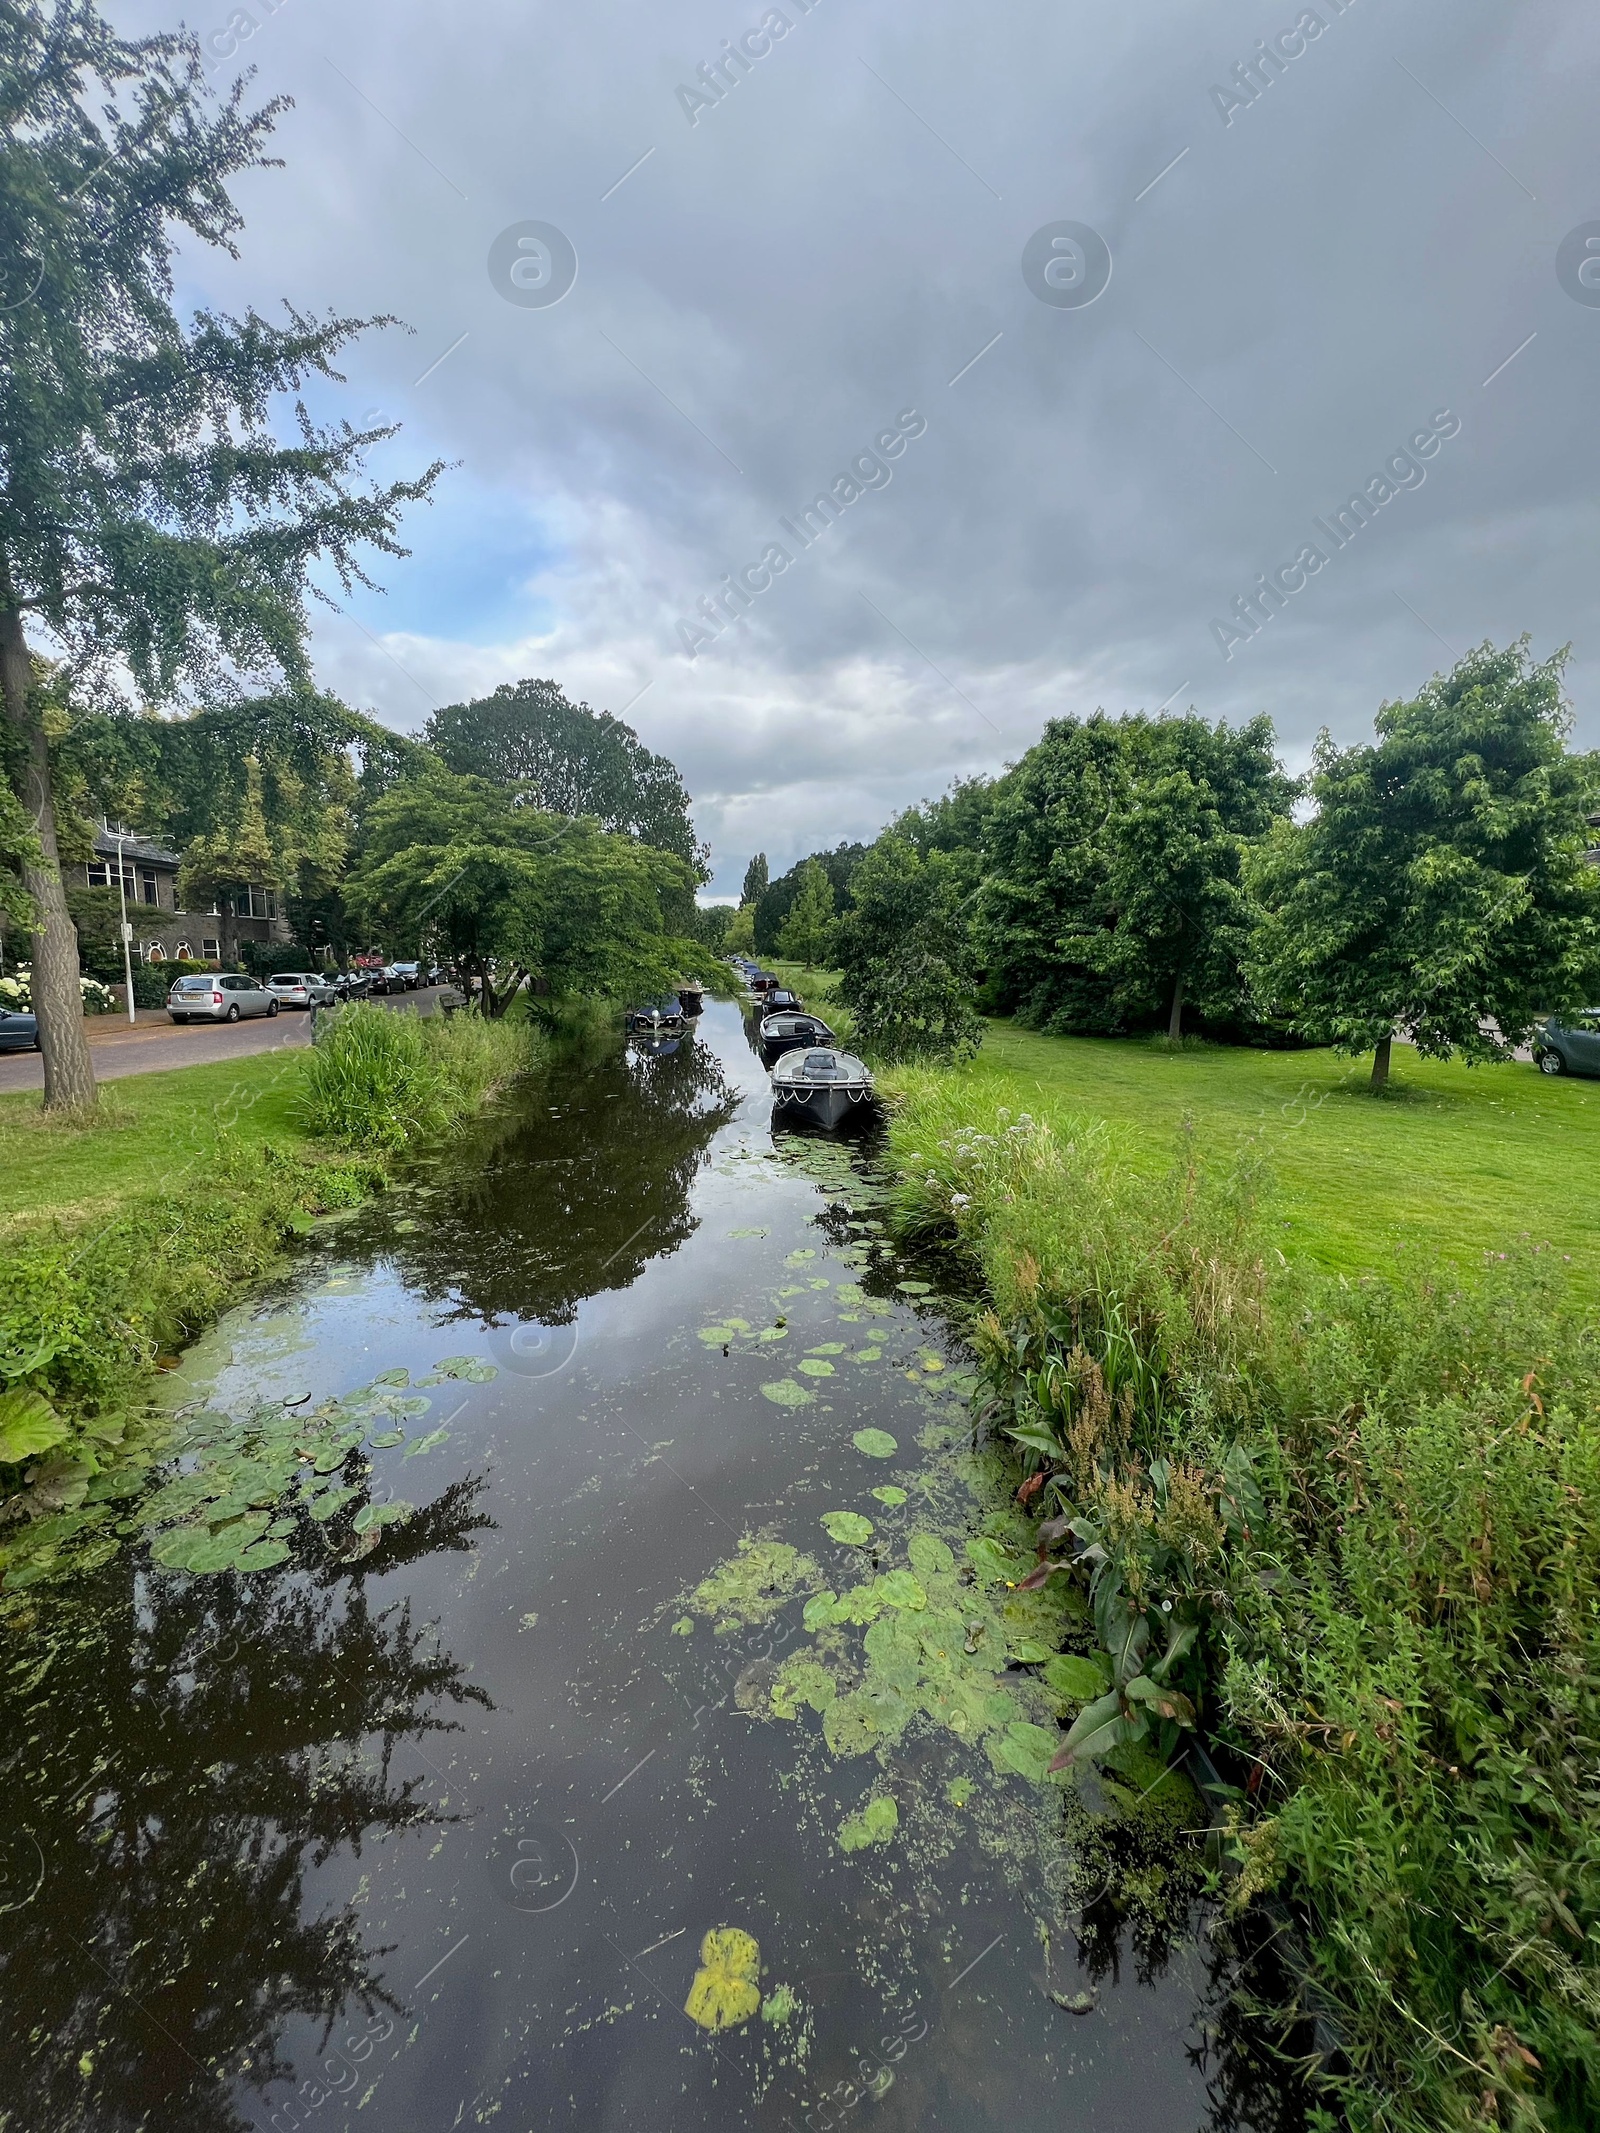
pixel 16 994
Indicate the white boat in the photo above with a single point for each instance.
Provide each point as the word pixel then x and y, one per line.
pixel 820 1084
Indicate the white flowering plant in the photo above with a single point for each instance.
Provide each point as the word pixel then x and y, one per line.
pixel 16 994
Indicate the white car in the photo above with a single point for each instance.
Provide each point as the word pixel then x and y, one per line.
pixel 225 996
pixel 301 988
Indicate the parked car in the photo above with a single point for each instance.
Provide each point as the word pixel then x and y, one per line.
pixel 409 975
pixel 301 988
pixel 352 984
pixel 1570 1047
pixel 225 996
pixel 18 1032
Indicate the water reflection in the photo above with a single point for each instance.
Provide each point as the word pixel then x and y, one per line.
pixel 183 1753
pixel 548 1204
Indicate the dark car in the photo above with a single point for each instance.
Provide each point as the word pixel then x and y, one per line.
pixel 18 1032
pixel 1570 1047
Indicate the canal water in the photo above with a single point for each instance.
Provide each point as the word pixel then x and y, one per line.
pixel 571 1678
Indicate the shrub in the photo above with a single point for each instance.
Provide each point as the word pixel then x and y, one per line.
pixel 16 993
pixel 379 1079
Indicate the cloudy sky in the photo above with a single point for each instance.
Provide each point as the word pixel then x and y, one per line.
pixel 1308 270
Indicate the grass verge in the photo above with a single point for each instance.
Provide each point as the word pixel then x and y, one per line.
pixel 1350 1527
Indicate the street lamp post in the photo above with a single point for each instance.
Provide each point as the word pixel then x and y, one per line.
pixel 127 930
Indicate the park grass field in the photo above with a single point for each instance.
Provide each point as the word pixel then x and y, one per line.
pixel 150 1133
pixel 1453 1160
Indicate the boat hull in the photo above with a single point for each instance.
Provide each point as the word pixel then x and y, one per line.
pixel 827 1104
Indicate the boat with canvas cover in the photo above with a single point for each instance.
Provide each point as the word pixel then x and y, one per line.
pixel 782 1032
pixel 821 1084
pixel 657 1018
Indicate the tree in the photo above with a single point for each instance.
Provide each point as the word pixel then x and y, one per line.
pixel 711 924
pixel 777 900
pixel 509 892
pixel 568 760
pixel 1115 881
pixel 740 938
pixel 149 514
pixel 755 880
pixel 1440 890
pixel 904 954
pixel 807 930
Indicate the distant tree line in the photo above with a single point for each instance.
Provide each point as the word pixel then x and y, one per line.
pixel 1165 875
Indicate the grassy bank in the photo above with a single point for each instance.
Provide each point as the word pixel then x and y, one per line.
pixel 122 1237
pixel 1349 1526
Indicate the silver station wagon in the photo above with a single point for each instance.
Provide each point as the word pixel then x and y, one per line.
pixel 223 997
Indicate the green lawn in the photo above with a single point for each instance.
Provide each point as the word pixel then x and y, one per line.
pixel 1454 1159
pixel 150 1130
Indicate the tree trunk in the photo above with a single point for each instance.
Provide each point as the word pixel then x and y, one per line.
pixel 1380 1066
pixel 57 997
pixel 1175 1019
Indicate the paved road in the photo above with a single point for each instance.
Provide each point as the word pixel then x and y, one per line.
pixel 154 1044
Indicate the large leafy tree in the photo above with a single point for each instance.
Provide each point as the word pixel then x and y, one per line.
pixel 904 954
pixel 510 892
pixel 568 760
pixel 152 520
pixel 1440 889
pixel 1115 882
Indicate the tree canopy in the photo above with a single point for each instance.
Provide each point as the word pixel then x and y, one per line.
pixel 568 760
pixel 151 518
pixel 904 954
pixel 1440 889
pixel 510 892
pixel 755 880
pixel 808 930
pixel 777 899
pixel 1114 880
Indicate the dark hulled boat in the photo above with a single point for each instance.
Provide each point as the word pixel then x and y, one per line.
pixel 822 1084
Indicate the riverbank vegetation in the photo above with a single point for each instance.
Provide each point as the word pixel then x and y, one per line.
pixel 1349 1529
pixel 128 1231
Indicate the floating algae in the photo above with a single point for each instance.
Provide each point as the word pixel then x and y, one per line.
pixel 725 1991
pixel 876 1824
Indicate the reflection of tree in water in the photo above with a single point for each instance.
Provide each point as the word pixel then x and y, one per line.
pixel 572 1187
pixel 184 1750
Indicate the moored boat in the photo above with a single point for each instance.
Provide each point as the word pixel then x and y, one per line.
pixel 692 996
pixel 784 1031
pixel 656 1018
pixel 820 1084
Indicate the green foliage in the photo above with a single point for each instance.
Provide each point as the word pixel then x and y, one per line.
pixel 378 1080
pixel 1374 1507
pixel 711 926
pixel 508 893
pixel 806 933
pixel 755 880
pixel 776 901
pixel 562 758
pixel 904 963
pixel 1113 887
pixel 1441 887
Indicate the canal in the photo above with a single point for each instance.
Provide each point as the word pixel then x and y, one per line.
pixel 572 1677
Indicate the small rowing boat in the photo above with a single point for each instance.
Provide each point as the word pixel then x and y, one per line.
pixel 820 1084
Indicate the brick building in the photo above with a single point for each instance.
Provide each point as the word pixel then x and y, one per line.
pixel 162 929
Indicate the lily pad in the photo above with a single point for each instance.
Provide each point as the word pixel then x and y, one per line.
pixel 773 1333
pixel 430 1443
pixel 915 1288
pixel 798 1258
pixel 827 1348
pixel 749 1233
pixel 876 1443
pixel 813 1366
pixel 373 1515
pixel 890 1495
pixel 264 1555
pixel 847 1527
pixel 392 1377
pixel 868 1355
pixel 784 1392
pixel 1025 1749
pixel 901 1589
pixel 930 1557
pixel 876 1824
pixel 1028 1651
pixel 389 1436
pixel 470 1368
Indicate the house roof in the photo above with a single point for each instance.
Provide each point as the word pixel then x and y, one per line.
pixel 135 847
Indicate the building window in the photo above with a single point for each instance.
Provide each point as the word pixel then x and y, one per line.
pixel 103 875
pixel 147 885
pixel 185 953
pixel 255 902
pixel 211 951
